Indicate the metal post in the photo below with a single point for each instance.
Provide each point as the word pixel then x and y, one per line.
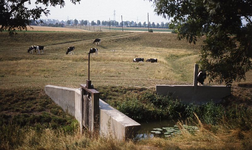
pixel 148 22
pixel 91 110
pixel 196 68
pixel 88 82
pixel 88 66
pixel 122 21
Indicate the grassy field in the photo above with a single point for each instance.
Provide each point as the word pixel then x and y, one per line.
pixel 23 76
pixel 112 66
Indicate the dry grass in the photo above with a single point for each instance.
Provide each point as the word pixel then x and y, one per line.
pixel 207 137
pixel 111 66
pixel 54 29
pixel 202 139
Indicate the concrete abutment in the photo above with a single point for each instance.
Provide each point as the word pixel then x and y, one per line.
pixel 112 123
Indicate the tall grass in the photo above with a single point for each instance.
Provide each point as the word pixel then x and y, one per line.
pixel 29 120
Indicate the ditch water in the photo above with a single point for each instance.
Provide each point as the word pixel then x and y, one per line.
pixel 163 129
pixel 147 127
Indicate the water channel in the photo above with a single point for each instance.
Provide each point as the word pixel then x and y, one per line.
pixel 147 127
pixel 165 129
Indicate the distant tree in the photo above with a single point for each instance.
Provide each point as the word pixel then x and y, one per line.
pixel 82 22
pixel 166 25
pixel 85 22
pixel 126 23
pixel 69 22
pixel 227 27
pixel 144 24
pixel 93 23
pixel 162 25
pixel 15 15
pixel 98 22
pixel 116 23
pixel 139 24
pixel 153 25
pixel 76 22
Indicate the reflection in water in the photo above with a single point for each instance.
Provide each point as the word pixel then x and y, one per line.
pixel 147 127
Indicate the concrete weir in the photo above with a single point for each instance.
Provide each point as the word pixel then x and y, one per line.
pixel 112 123
pixel 194 93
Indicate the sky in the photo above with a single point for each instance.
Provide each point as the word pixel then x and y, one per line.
pixel 105 10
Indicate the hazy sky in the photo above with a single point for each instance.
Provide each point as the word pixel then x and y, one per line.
pixel 103 10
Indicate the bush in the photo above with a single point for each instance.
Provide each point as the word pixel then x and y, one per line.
pixel 174 31
pixel 147 105
pixel 150 30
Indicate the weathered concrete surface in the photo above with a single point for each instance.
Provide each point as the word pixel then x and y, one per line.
pixel 195 94
pixel 67 98
pixel 113 123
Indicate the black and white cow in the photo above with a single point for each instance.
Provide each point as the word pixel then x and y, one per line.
pixel 31 49
pixel 152 60
pixel 138 59
pixel 201 77
pixel 93 50
pixel 97 41
pixel 70 50
pixel 39 48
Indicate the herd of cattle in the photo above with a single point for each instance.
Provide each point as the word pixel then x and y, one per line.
pixel 152 60
pixel 40 50
pixel 70 50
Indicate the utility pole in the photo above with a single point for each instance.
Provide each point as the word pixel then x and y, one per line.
pixel 148 21
pixel 122 21
pixel 109 24
pixel 114 16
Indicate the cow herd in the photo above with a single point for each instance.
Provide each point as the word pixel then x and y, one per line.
pixel 152 60
pixel 40 49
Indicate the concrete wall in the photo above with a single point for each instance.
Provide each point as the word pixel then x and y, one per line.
pixel 113 123
pixel 67 98
pixel 194 94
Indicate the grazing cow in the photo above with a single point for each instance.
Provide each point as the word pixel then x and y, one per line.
pixel 97 41
pixel 152 60
pixel 70 50
pixel 31 49
pixel 138 59
pixel 201 77
pixel 39 48
pixel 93 50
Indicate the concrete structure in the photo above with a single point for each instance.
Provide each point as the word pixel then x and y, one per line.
pixel 194 93
pixel 67 98
pixel 112 123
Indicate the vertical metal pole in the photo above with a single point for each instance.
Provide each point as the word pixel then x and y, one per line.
pixel 88 82
pixel 122 21
pixel 148 22
pixel 89 66
pixel 196 68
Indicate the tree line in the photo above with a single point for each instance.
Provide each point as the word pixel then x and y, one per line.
pixel 75 22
